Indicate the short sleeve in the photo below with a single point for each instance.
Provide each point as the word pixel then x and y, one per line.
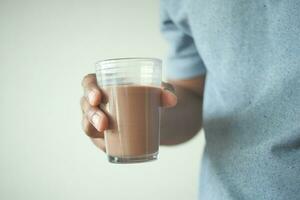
pixel 183 60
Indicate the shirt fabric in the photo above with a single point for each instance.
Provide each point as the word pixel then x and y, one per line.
pixel 250 54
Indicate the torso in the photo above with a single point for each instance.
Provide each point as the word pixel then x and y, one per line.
pixel 251 50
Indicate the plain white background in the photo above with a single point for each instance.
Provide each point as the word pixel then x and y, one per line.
pixel 46 47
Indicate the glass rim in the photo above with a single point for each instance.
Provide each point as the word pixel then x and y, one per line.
pixel 139 59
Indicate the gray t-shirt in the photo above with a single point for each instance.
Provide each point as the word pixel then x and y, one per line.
pixel 250 53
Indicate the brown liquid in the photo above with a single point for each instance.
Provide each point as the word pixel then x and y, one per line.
pixel 134 120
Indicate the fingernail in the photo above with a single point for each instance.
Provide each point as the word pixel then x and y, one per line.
pixel 96 120
pixel 168 87
pixel 91 96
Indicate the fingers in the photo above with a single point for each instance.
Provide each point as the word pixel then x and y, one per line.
pixel 90 130
pixel 94 120
pixel 97 118
pixel 84 104
pixel 168 97
pixel 91 90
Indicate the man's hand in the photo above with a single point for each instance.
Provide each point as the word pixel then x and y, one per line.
pixel 94 120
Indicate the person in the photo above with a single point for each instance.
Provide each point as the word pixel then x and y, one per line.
pixel 240 62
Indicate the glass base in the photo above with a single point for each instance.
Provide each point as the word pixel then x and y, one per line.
pixel 136 159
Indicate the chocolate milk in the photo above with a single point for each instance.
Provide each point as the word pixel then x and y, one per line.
pixel 134 120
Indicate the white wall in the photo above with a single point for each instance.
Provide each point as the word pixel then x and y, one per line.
pixel 46 47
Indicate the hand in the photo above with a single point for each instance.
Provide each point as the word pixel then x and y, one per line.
pixel 94 120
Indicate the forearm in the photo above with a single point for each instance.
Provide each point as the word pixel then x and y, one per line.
pixel 181 123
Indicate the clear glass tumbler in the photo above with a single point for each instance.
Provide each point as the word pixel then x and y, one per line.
pixel 132 89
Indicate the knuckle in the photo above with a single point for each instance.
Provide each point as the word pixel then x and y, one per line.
pixel 87 78
pixel 84 104
pixel 86 126
pixel 82 101
pixel 89 130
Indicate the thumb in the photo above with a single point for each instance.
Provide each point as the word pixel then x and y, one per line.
pixel 168 97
